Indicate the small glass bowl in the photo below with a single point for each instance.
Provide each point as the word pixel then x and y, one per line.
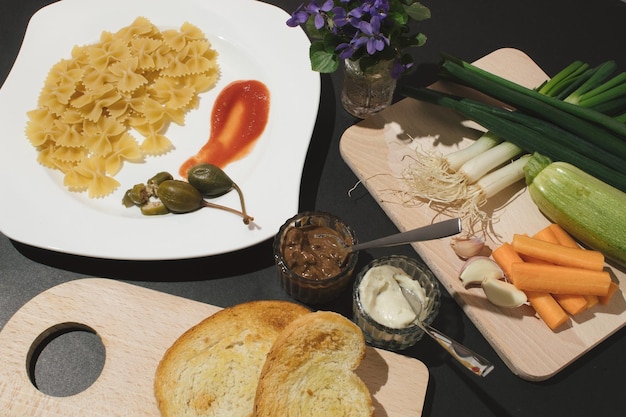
pixel 379 335
pixel 308 289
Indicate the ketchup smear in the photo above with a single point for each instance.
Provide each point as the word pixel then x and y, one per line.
pixel 239 117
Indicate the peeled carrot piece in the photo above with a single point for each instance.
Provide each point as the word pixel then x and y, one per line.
pixel 572 303
pixel 592 300
pixel 606 298
pixel 547 235
pixel 563 237
pixel 505 256
pixel 543 303
pixel 547 309
pixel 558 254
pixel 557 279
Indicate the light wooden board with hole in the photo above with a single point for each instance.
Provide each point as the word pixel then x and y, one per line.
pixel 379 148
pixel 136 326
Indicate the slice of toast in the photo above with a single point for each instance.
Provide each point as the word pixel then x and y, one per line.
pixel 309 370
pixel 213 368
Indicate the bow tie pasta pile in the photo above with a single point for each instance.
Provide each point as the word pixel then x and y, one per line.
pixel 138 79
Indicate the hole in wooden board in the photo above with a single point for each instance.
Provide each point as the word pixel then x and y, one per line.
pixel 65 359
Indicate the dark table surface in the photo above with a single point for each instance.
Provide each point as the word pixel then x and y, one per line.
pixel 552 32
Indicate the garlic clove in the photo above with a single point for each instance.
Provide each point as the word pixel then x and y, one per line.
pixel 478 268
pixel 502 293
pixel 466 247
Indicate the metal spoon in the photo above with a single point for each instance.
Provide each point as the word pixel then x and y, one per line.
pixel 432 231
pixel 472 361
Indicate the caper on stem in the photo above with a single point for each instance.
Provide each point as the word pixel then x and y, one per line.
pixel 212 181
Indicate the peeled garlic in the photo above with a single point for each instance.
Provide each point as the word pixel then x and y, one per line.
pixel 478 268
pixel 502 293
pixel 466 247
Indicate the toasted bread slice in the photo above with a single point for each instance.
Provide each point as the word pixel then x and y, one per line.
pixel 309 370
pixel 213 368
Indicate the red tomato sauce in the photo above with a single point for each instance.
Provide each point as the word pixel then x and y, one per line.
pixel 238 119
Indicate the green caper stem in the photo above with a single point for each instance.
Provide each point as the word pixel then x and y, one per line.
pixel 246 218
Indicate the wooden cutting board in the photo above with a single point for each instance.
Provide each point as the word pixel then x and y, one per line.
pixel 136 326
pixel 378 148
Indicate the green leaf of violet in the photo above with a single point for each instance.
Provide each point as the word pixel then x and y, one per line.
pixel 321 59
pixel 418 11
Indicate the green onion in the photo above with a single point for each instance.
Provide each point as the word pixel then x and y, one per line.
pixel 596 79
pixel 611 107
pixel 601 95
pixel 579 120
pixel 565 81
pixel 612 154
pixel 520 134
pixel 461 182
pixel 578 82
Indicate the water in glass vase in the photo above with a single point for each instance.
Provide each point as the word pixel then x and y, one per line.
pixel 367 92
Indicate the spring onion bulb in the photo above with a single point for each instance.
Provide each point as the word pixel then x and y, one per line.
pixel 456 159
pixel 444 179
pixel 487 187
pixel 477 167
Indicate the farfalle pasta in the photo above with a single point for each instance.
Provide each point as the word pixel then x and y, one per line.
pixel 113 101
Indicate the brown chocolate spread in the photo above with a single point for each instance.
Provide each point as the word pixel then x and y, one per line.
pixel 314 252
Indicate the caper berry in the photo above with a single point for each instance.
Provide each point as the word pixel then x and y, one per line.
pixel 209 179
pixel 179 196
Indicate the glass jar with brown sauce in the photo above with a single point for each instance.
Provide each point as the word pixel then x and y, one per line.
pixel 310 252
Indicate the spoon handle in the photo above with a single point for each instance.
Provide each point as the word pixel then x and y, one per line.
pixel 432 231
pixel 466 357
pixel 471 360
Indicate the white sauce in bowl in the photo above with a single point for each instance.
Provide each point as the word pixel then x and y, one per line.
pixel 381 296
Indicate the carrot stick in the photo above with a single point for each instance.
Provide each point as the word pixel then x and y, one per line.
pixel 505 256
pixel 558 254
pixel 606 298
pixel 592 300
pixel 534 260
pixel 547 235
pixel 544 304
pixel 563 237
pixel 557 279
pixel 547 309
pixel 571 303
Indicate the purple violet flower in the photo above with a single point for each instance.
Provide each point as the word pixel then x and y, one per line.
pixel 373 39
pixel 298 17
pixel 319 12
pixel 354 29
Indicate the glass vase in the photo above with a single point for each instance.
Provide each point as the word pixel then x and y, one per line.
pixel 367 92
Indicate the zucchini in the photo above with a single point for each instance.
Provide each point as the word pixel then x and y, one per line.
pixel 590 210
